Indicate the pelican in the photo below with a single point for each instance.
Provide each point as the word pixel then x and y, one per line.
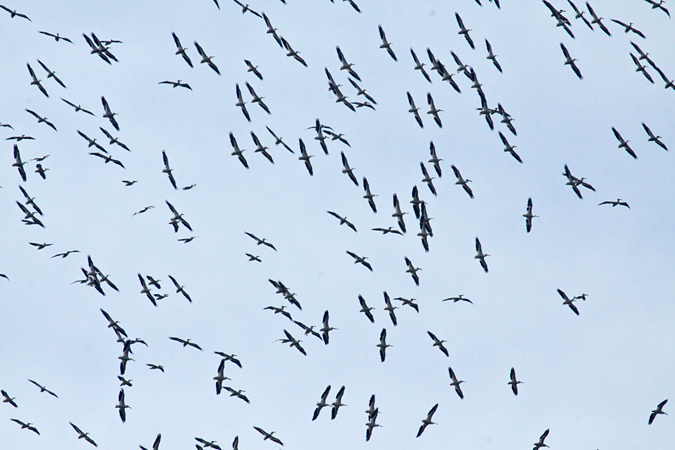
pixel 239 153
pixel 618 202
pixel 18 163
pixel 5 397
pixel 434 111
pixel 372 417
pixel 412 270
pixel 124 358
pixel 435 160
pixel 35 81
pixel 570 61
pixel 271 30
pixel 366 309
pixel 280 310
pixel 259 241
pixel 305 157
pixel 419 66
pixel 177 218
pixel 345 65
pixel 246 7
pixel 40 246
pixel 669 83
pixel 409 302
pixel 220 377
pixel 185 342
pixel 509 148
pixel 459 298
pixel 307 329
pixel 211 444
pixel 176 84
pixel 360 260
pixel 41 170
pixel 108 159
pixel 438 343
pixel 65 254
pixel 361 91
pixel 416 202
pixel 657 411
pixel 528 215
pixel 156 367
pixel 414 110
pixel 629 27
pixel 652 138
pixel 343 220
pixel 388 230
pixel 383 344
pixel 206 59
pixel 623 143
pixel 237 393
pixel 257 99
pixel 369 196
pixel 83 435
pixel 27 426
pixel 241 103
pixel 268 435
pixel 514 382
pixel 180 290
pixel 278 140
pixel 427 420
pixel 124 381
pixel 113 140
pixel 30 200
pixel 597 20
pixel 461 181
pixel 293 53
pixel 181 50
pixel 51 73
pixel 481 256
pixel 108 114
pixel 229 357
pixel 491 56
pixel 253 69
pixel 389 308
pixel 348 170
pixel 114 324
pixel 167 170
pixel 337 137
pixel 579 14
pixel 658 5
pixel 506 119
pixel 122 406
pixel 464 31
pixel 325 328
pixel 337 403
pixel 540 442
pixel 261 148
pixel 57 37
pixel 568 302
pixel 456 383
pixel 41 119
pixel 398 214
pixel 155 445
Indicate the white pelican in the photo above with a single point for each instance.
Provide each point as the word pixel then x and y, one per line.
pixel 658 410
pixel 383 344
pixel 528 215
pixel 337 403
pixel 427 420
pixel 386 45
pixel 438 343
pixel 514 382
pixel 464 31
pixel 181 50
pixel 481 256
pixel 321 403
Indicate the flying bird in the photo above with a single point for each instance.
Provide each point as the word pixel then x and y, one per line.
pixel 414 110
pixel 185 342
pixel 180 290
pixel 239 153
pixel 278 140
pixel 241 103
pixel 570 61
pixel 568 302
pixel 83 435
pixel 491 56
pixel 514 382
pixel 629 27
pixel 459 298
pixel 41 119
pixel 653 138
pixel 389 308
pixel 107 158
pixel 305 157
pixel 382 345
pixel 257 99
pixel 427 420
pixel 271 30
pixel 456 383
pixel 325 328
pixel 481 256
pixel 78 107
pixel 245 8
pixel 345 65
pixel 343 220
pixel 268 435
pixel 528 215
pixel 27 426
pixel 57 37
pixel 253 69
pixel 438 343
pixel 641 68
pixel 181 50
pixel 433 110
pixel 122 406
pixel 540 442
pixel 260 148
pixel 412 270
pixel 293 53
pixel 398 214
pixel 368 195
pixel 337 403
pixel 361 91
pixel 348 170
pixel 427 179
pixel 5 397
pixel 176 84
pixel 360 260
pixel 657 411
pixel 420 66
pixel 461 181
pixel 365 309
pixel 259 241
pixel 597 20
pixel 206 59
pixel 464 31
pixel 658 5
pixel 177 218
pixel 18 163
pixel 385 44
pixel 579 14
pixel 509 148
pixel 13 13
pixel 108 114
pixel 618 202
pixel 623 143
pixel 51 74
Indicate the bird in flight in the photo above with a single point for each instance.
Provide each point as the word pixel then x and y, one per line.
pixel 108 114
pixel 653 138
pixel 528 215
pixel 259 241
pixel 27 426
pixel 268 435
pixel 365 309
pixel 253 69
pixel 491 56
pixel 540 442
pixel 246 8
pixel 5 397
pixel 618 202
pixel 206 59
pixel 386 45
pixel 438 343
pixel 176 84
pixel 657 411
pixel 180 290
pixel 185 342
pixel 624 143
pixel 514 381
pixel 427 420
pixel 369 196
pixel 360 260
pixel 337 403
pixel 455 383
pixel 13 13
pixel 51 73
pixel 181 50
pixel 597 20
pixel 459 298
pixel 570 61
pixel 420 66
pixel 239 153
pixel 568 302
pixel 83 435
pixel 41 119
pixel 461 181
pixel 294 342
pixel 122 406
pixel 480 256
pixel 343 220
pixel 464 31
pixel 382 345
pixel 629 27
pixel 414 110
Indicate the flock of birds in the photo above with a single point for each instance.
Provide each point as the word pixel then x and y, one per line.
pixel 150 286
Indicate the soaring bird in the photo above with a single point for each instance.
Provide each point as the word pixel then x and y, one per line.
pixel 155 445
pixel 27 426
pixel 260 148
pixel 305 157
pixel 409 302
pixel 427 179
pixel 382 345
pixel 658 410
pixel 386 45
pixel 229 357
pixel 181 50
pixel 18 163
pixel 206 59
pixel 321 403
pixel 514 381
pixel 528 215
pixel 455 383
pixel 360 260
pixel 597 20
pixel 343 220
pixel 220 377
pixel 257 99
pixel 41 119
pixel 51 73
pixel 398 214
pixel 481 256
pixel 293 53
pixel 368 195
pixel 569 302
pixel 241 103
pixel 540 442
pixel 461 181
pixel 337 403
pixel 464 31
pixel 459 298
pixel 268 435
pixel 412 270
pixel 107 158
pixel 623 143
pixel 239 153
pixel 427 420
pixel 433 110
pixel 347 169
pixel 491 56
pixel 5 397
pixel 419 66
pixel 579 14
pixel 570 61
pixel 390 308
pixel 185 342
pixel 180 290
pixel 346 65
pixel 653 138
pixel 35 81
pixel 122 406
pixel 325 328
pixel 618 202
pixel 438 343
pixel 177 218
pixel 365 309
pixel 629 27
pixel 246 8
pixel 176 84
pixel 83 435
pixel 414 110
pixel 253 69
pixel 259 241
pixel 13 13
pixel 509 148
pixel 658 5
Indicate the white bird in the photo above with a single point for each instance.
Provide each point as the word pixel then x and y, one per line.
pixel 321 403
pixel 540 442
pixel 427 420
pixel 412 270
pixel 456 383
pixel 461 181
pixel 481 256
pixel 567 301
pixel 386 45
pixel 657 411
pixel 382 345
pixel 514 381
pixel 337 403
pixel 528 215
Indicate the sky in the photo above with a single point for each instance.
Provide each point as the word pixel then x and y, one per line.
pixel 592 379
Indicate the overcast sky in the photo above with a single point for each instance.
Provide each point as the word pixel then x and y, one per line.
pixel 591 379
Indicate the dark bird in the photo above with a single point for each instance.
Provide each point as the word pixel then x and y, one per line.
pixel 294 342
pixel 416 202
pixel 354 5
pixel 20 138
pixel 145 209
pixel 238 394
pixel 464 31
pixel 180 289
pixel 5 397
pixel 308 329
pixel 652 138
pixel 669 83
pixel 570 61
pixel 206 59
pixel 39 245
pixel 623 143
pixel 514 382
pixel 386 45
pixel 366 309
pixel 382 345
pixel 293 53
pixel 113 140
pixel 427 420
pixel 57 37
pixel 30 200
pixel 455 383
pixel 658 5
pixel 257 99
pixel 241 103
pixel 30 218
pixel 347 66
pixel 509 148
pixel 540 442
pixel 491 56
pixel 641 68
pixel 261 148
pixel 438 343
pixel 486 111
pixel 360 260
pixel 78 107
pixel 107 158
pixel 459 298
pixel 321 403
pixel 185 342
pixel 271 30
pixel 181 50
pixel 27 426
pixel 414 110
pixel 568 302
pixel 65 254
pixel 658 410
pixel 229 357
pixel 176 84
pixel 246 7
pixel 343 220
pixel 239 153
pixel 259 241
pixel 579 14
pixel 83 435
pixel 114 324
pixel 461 181
pixel 361 91
pixel 420 66
pixel 108 114
pixel 13 13
pixel 280 310
pixel 41 119
pixel 268 435
pixel 597 20
pixel 253 69
pixel 629 27
pixel 177 218
pixel 325 328
pixel 91 142
pixel 51 74
pixel 122 406
pixel 156 367
pixel 618 202
pixel 305 157
pixel 528 215
pixel 279 140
